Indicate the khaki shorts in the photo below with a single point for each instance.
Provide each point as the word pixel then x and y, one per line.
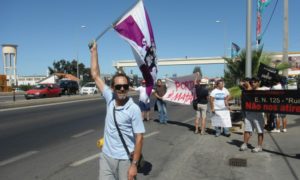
pixel 201 111
pixel 254 120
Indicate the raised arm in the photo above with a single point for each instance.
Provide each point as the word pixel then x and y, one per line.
pixel 95 70
pixel 197 77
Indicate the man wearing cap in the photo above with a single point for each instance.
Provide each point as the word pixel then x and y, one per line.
pixel 202 100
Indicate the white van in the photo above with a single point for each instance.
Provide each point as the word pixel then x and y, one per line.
pixel 89 88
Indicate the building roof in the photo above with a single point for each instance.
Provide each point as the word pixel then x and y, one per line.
pixel 66 76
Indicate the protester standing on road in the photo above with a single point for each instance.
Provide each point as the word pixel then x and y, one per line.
pixel 253 120
pixel 202 99
pixel 114 161
pixel 144 101
pixel 159 92
pixel 279 116
pixel 220 108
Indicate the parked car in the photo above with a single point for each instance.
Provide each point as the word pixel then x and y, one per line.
pixel 43 91
pixel 89 88
pixel 18 90
pixel 69 87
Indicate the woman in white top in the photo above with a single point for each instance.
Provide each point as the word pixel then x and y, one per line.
pixel 220 108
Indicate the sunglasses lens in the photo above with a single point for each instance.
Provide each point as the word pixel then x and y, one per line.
pixel 119 86
pixel 126 87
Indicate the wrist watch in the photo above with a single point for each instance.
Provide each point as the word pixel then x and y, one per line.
pixel 134 162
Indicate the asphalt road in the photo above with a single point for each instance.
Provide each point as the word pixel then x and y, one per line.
pixel 59 141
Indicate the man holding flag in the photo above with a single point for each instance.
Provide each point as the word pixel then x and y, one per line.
pixel 120 155
pixel 123 118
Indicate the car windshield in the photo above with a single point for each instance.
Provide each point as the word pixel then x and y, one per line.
pixel 63 82
pixel 89 85
pixel 40 86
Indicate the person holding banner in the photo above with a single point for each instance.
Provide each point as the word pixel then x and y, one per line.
pixel 253 120
pixel 159 92
pixel 279 116
pixel 202 99
pixel 220 109
pixel 123 117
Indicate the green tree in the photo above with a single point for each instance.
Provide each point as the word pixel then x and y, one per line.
pixel 70 67
pixel 236 68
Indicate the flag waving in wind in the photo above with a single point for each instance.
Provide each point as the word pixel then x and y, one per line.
pixel 136 29
pixel 261 5
pixel 234 50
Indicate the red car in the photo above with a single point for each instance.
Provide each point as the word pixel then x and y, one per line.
pixel 43 91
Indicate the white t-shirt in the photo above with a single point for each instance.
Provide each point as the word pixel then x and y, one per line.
pixel 277 87
pixel 143 95
pixel 219 98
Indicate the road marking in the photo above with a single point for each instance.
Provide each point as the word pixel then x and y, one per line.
pixel 83 133
pixel 77 163
pixel 90 158
pixel 151 134
pixel 16 158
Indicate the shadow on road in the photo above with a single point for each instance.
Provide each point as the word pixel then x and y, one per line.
pixel 238 143
pixel 296 156
pixel 189 126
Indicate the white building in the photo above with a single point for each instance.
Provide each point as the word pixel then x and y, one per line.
pixel 30 80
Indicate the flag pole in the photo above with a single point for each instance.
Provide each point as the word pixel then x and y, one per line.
pixel 112 25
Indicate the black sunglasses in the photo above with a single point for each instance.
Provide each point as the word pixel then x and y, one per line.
pixel 119 86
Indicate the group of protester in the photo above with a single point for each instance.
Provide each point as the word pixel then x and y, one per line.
pixel 219 106
pixel 124 127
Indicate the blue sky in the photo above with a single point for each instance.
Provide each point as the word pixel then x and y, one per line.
pixel 50 30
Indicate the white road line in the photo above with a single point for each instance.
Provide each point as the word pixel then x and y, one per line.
pixel 16 158
pixel 90 158
pixel 151 134
pixel 83 133
pixel 77 163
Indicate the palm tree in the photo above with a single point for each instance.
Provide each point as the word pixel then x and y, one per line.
pixel 236 68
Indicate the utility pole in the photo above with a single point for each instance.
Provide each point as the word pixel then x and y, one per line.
pixel 248 41
pixel 285 35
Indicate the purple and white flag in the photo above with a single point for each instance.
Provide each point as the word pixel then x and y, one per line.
pixel 135 27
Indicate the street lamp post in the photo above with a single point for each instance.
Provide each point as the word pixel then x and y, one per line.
pixel 225 54
pixel 78 76
pixel 225 34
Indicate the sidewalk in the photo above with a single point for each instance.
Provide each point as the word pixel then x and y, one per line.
pixel 208 157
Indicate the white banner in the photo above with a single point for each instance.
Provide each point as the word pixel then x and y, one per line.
pixel 180 89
